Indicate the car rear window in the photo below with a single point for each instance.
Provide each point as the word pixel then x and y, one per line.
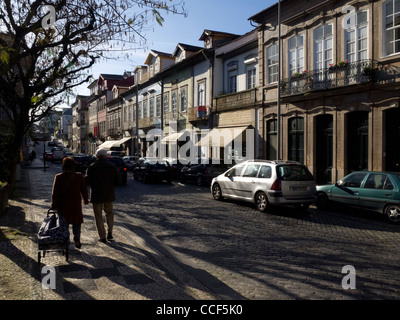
pixel 294 173
pixel 117 161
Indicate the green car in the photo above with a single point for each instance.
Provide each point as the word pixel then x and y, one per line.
pixel 371 190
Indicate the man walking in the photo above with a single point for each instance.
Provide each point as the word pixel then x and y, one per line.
pixel 102 177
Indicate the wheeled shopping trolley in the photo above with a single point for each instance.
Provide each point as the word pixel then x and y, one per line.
pixel 53 235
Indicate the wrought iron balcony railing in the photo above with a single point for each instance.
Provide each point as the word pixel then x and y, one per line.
pixel 339 75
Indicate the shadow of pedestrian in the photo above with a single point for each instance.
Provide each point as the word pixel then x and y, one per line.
pixel 219 288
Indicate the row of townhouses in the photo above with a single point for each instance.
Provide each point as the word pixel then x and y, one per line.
pixel 325 79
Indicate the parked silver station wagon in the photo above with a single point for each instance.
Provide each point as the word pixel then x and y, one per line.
pixel 266 183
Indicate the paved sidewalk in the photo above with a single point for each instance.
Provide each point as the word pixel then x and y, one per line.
pixel 133 267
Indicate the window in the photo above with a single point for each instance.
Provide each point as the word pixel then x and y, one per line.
pixel 296 139
pixel 232 82
pixel 145 108
pixel 201 90
pixel 272 139
pixel 158 106
pixel 378 181
pixel 183 99
pixel 296 54
pixel 235 171
pixel 272 63
pixel 251 78
pixel 251 170
pixel 323 53
pixel 174 102
pixel 356 38
pixel 232 68
pixel 251 70
pixel 166 102
pixel 353 181
pixel 151 107
pixel 265 172
pixel 294 173
pixel 391 11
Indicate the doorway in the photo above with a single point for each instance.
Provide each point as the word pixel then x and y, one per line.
pixel 392 138
pixel 357 141
pixel 324 148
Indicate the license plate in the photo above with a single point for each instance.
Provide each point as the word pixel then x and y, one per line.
pixel 298 188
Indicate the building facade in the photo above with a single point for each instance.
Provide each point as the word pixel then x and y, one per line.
pixel 338 85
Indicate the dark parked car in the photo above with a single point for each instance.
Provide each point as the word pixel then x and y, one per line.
pixel 130 161
pixel 176 167
pixel 48 156
pixel 58 154
pixel 121 167
pixel 83 161
pixel 202 171
pixel 152 170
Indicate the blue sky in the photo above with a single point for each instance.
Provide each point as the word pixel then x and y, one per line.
pixel 219 15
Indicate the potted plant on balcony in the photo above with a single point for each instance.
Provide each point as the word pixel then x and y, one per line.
pixel 341 65
pixel 370 72
pixel 297 75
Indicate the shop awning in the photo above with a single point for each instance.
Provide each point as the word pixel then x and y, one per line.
pixel 221 136
pixel 113 143
pixel 107 145
pixel 121 141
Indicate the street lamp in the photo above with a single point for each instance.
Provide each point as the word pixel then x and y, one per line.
pixel 279 85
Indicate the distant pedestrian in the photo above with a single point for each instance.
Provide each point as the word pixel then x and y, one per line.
pixel 32 156
pixel 69 188
pixel 102 177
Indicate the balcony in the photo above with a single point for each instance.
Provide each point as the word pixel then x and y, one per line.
pixel 237 100
pixel 340 75
pixel 148 122
pixel 198 113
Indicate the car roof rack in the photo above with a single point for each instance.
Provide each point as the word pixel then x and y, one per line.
pixel 274 161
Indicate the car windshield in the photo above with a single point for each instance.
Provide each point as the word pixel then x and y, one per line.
pixel 292 172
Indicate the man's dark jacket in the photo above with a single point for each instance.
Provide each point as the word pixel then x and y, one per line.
pixel 102 177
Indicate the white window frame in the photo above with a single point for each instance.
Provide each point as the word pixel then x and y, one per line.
pixel 232 69
pixel 183 99
pixel 324 40
pixel 272 77
pixel 158 106
pixel 298 55
pixel 385 29
pixel 174 101
pixel 201 93
pixel 166 102
pixel 356 31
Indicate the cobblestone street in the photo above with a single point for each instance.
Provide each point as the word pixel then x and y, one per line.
pixel 282 255
pixel 173 241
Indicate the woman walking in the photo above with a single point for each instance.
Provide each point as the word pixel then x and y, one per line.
pixel 69 188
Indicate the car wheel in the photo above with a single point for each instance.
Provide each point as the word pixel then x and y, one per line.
pixel 216 192
pixel 322 201
pixel 261 201
pixel 199 181
pixel 392 212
